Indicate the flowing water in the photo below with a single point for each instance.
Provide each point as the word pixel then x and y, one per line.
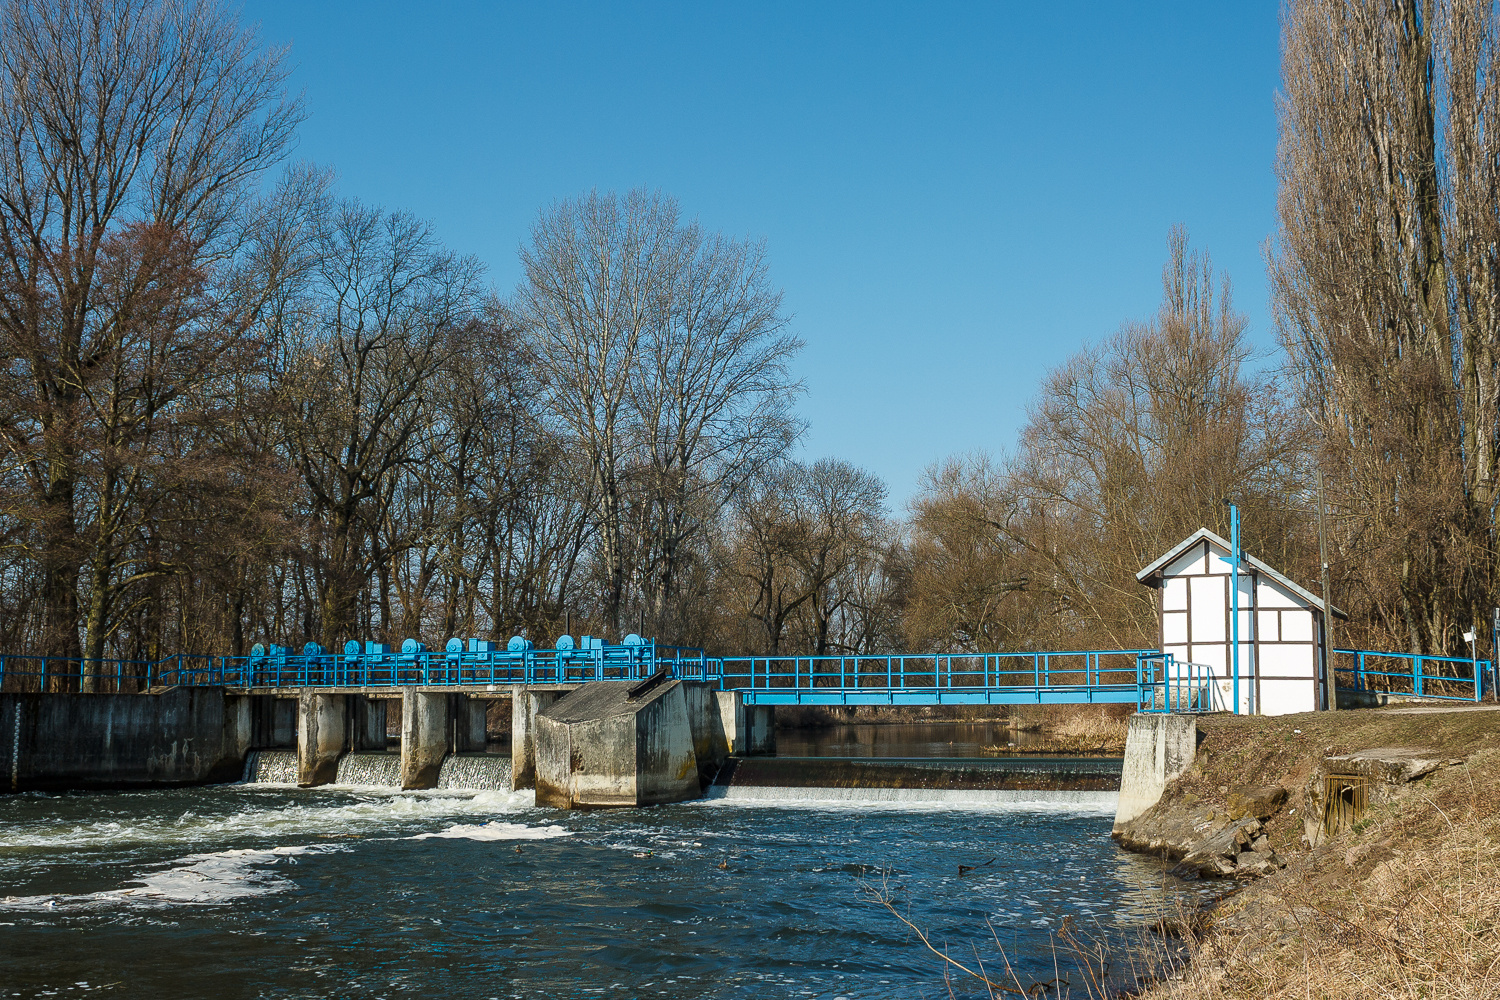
pixel 358 890
pixel 262 890
pixel 464 772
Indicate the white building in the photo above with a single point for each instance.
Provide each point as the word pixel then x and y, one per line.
pixel 1281 627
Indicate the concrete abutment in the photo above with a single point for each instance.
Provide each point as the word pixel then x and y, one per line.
pixel 622 743
pixel 1158 748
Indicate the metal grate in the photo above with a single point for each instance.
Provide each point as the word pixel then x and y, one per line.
pixel 1343 802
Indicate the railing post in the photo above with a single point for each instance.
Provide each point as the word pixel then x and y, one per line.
pixel 1417 675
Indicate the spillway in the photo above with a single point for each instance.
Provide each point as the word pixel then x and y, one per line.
pixel 467 772
pixel 1090 783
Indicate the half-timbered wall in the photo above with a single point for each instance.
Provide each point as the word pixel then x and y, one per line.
pixel 1279 632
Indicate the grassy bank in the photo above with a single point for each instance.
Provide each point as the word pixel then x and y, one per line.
pixel 1404 904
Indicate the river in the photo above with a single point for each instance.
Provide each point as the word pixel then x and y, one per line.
pixel 256 890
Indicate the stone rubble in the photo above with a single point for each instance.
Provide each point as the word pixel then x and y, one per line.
pixel 1209 840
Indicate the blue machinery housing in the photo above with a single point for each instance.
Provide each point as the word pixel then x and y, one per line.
pixel 1145 678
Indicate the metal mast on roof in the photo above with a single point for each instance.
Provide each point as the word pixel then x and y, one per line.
pixel 1234 600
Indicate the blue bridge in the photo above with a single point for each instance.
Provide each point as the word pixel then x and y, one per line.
pixel 1144 678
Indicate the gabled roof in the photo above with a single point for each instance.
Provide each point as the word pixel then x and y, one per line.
pixel 1151 575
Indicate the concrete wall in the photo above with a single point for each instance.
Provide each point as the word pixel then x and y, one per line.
pixel 710 741
pixel 759 731
pixel 472 715
pixel 666 762
pixel 184 736
pixel 367 722
pixel 1158 747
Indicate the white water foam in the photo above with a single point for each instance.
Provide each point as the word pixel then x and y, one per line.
pixel 1019 800
pixel 458 772
pixel 198 879
pixel 271 767
pixel 495 831
pixel 257 813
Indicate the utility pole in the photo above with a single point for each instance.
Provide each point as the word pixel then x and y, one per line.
pixel 1330 683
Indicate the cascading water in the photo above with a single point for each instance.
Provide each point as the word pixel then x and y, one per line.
pixel 372 770
pixel 481 772
pixel 467 772
pixel 271 767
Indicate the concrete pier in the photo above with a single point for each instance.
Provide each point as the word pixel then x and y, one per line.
pixel 524 705
pixel 322 737
pixel 749 730
pixel 426 736
pixel 622 743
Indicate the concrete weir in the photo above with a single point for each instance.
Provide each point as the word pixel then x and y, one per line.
pixel 605 743
pixel 618 743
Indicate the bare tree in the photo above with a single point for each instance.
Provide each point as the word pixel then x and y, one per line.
pixel 713 395
pixel 122 124
pixel 662 351
pixel 598 277
pixel 1131 445
pixel 799 529
pixel 1385 276
pixel 964 562
pixel 384 303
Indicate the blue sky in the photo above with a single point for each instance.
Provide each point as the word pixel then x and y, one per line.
pixel 955 198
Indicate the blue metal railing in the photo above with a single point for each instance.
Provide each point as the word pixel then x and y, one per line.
pixel 1172 685
pixel 1151 680
pixel 368 665
pixel 1075 676
pixel 1448 678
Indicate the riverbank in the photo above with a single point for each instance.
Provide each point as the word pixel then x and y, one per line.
pixel 1390 885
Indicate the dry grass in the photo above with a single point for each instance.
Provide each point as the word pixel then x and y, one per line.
pixel 1093 726
pixel 1405 907
pixel 1086 729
